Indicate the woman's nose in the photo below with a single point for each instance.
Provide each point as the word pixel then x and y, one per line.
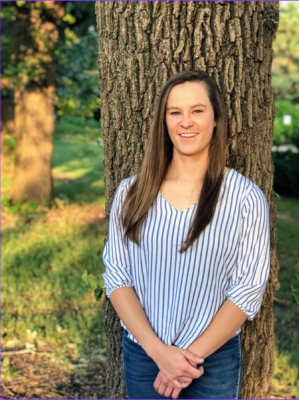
pixel 186 121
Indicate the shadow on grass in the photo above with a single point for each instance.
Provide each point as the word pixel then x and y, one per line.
pixel 86 189
pixel 78 171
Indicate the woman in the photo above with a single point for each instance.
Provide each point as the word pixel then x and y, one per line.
pixel 187 256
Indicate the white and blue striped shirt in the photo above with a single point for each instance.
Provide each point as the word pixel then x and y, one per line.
pixel 181 293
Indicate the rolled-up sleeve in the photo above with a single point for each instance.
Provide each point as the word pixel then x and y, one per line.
pixel 248 281
pixel 115 256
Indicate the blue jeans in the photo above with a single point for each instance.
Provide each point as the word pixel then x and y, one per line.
pixel 222 376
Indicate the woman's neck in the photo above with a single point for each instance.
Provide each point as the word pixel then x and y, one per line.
pixel 187 169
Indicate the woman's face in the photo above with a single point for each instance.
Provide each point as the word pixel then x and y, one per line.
pixel 190 119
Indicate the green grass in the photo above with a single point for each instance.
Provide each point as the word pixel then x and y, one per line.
pixel 287 247
pixel 286 311
pixel 78 165
pixel 42 263
pixel 42 270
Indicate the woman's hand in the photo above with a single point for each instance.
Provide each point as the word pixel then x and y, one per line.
pixel 177 365
pixel 164 387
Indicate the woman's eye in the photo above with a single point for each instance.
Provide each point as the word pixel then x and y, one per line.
pixel 197 111
pixel 175 113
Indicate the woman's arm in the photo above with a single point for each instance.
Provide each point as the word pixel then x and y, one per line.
pixel 175 363
pixel 223 326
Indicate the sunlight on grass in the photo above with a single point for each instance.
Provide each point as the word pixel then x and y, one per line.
pixel 42 268
pixel 44 256
pixel 5 186
pixel 285 377
pixel 78 170
pixel 72 169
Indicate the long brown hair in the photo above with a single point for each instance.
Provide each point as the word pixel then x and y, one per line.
pixel 158 156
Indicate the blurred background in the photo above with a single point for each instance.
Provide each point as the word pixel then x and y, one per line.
pixel 52 202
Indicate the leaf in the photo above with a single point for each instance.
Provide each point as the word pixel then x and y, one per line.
pixel 69 18
pixel 87 278
pixel 274 193
pixel 83 289
pixel 98 293
pixel 295 295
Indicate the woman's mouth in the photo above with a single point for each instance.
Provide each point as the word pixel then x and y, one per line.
pixel 187 135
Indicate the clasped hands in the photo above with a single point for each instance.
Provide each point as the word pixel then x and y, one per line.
pixel 178 367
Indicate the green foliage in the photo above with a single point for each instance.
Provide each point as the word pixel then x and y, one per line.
pixel 8 371
pixel 9 144
pixel 286 133
pixel 98 292
pixel 88 281
pixel 21 52
pixel 295 292
pixel 285 70
pixel 286 176
pixel 72 59
pixel 77 86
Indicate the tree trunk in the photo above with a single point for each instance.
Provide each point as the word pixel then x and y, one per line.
pixel 141 44
pixel 35 36
pixel 34 123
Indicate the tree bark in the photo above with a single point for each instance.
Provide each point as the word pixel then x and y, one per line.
pixel 141 44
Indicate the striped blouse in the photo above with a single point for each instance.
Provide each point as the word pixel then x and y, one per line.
pixel 181 293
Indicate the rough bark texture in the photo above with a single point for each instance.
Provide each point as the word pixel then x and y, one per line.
pixel 141 44
pixel 34 101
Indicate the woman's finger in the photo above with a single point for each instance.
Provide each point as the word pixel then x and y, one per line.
pixel 175 394
pixel 161 389
pixel 168 391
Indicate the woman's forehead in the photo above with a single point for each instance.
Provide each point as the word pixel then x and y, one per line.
pixel 188 92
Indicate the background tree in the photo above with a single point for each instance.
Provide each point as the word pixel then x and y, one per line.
pixel 286 50
pixel 34 27
pixel 35 34
pixel 141 44
pixel 286 94
pixel 76 78
pixel 40 41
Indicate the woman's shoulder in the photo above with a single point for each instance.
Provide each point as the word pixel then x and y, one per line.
pixel 124 186
pixel 242 187
pixel 126 183
pixel 122 191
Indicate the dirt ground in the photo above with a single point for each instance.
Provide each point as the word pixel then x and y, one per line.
pixel 40 378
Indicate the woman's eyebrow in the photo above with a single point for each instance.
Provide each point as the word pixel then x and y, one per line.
pixel 195 105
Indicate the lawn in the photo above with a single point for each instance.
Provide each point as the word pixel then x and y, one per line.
pixel 286 311
pixel 53 338
pixel 50 334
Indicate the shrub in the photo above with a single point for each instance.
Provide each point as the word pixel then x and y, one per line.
pixel 286 175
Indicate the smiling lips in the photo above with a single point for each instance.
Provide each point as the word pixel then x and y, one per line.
pixel 187 135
